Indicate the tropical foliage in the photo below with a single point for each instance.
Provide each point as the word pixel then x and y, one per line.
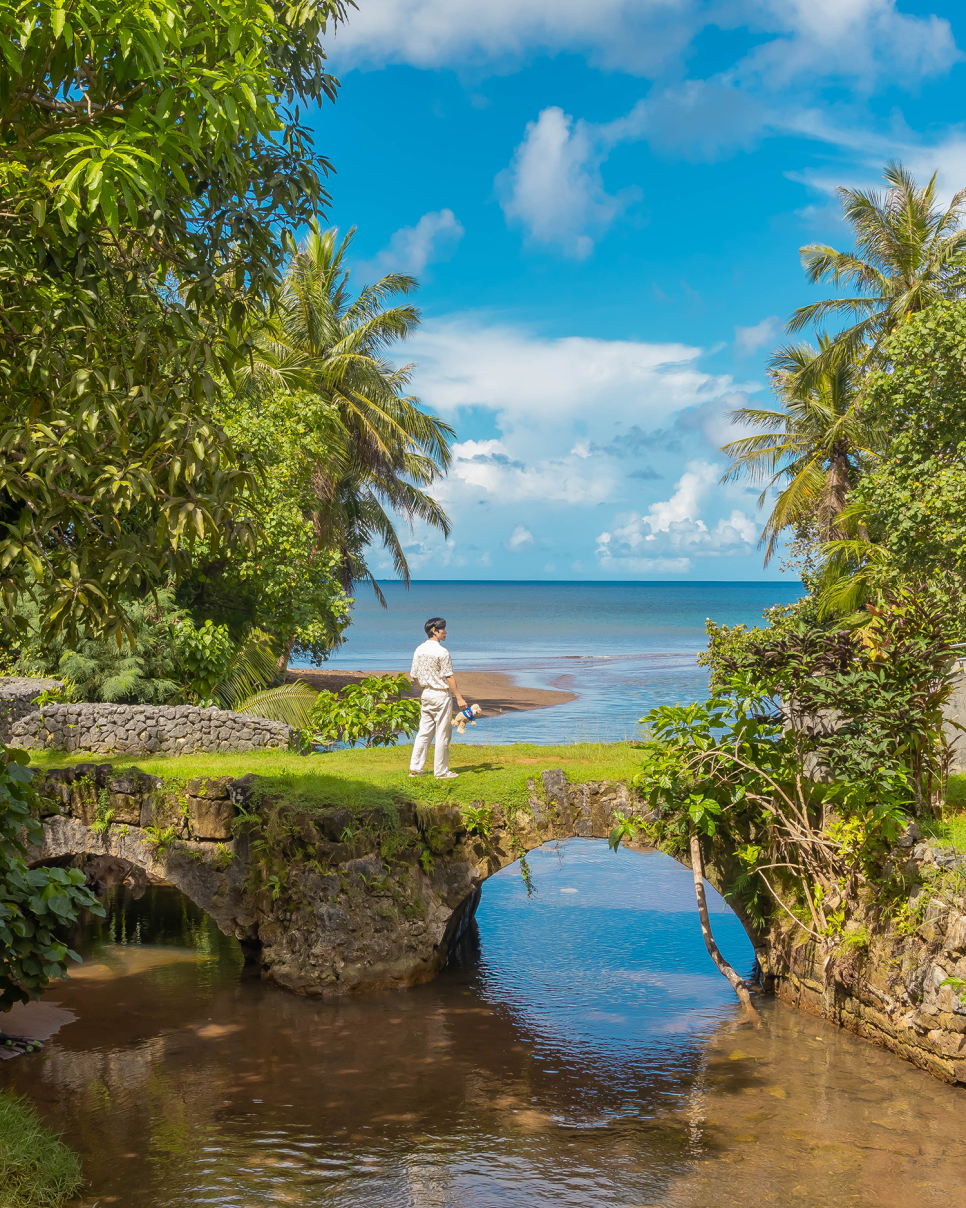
pixel 151 162
pixel 373 712
pixel 166 659
pixel 376 449
pixel 865 454
pixel 908 517
pixel 909 254
pixel 802 802
pixel 36 904
pixel 815 445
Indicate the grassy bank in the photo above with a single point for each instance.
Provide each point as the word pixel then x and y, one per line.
pixel 360 778
pixel 37 1170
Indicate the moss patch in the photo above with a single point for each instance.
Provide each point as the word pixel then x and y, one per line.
pixel 360 779
pixel 37 1170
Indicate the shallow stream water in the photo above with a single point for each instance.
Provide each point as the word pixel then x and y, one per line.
pixel 582 1051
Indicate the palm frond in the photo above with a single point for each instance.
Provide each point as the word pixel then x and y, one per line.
pixel 290 704
pixel 254 665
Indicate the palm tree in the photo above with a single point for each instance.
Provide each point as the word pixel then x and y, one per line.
pixel 384 449
pixel 908 254
pixel 815 444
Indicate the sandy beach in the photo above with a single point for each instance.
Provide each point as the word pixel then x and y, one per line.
pixel 494 691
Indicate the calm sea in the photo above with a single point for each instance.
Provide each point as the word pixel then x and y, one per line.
pixel 622 647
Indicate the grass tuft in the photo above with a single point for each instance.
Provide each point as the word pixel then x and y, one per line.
pixel 37 1170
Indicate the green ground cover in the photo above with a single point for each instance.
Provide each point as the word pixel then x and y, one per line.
pixel 366 778
pixel 36 1169
pixel 951 828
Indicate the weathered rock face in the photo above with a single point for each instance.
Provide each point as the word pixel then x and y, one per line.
pixel 888 987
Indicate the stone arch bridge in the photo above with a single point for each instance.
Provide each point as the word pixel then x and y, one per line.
pixel 335 902
pixel 341 901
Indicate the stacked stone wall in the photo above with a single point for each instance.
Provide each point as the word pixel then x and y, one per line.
pixel 105 729
pixel 17 696
pixel 146 730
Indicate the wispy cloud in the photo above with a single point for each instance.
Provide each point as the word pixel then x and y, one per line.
pixel 750 339
pixel 434 238
pixel 520 541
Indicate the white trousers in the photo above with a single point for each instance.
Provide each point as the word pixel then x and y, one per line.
pixel 435 717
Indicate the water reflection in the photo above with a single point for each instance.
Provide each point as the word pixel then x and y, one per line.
pixel 587 1058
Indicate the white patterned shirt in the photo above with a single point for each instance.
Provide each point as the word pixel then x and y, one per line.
pixel 431 666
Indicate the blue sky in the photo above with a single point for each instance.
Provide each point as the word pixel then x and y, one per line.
pixel 604 205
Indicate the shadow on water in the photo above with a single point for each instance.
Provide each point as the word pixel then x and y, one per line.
pixel 579 1051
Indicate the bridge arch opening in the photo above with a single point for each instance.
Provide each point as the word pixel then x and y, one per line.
pixel 142 913
pixel 600 926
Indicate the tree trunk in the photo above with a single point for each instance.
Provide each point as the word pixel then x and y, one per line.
pixel 281 667
pixel 697 867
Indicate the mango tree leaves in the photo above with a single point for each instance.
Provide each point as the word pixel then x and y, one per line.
pixel 152 164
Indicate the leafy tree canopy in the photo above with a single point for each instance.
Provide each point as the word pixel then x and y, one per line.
pixel 152 159
pixel 287 584
pixel 908 514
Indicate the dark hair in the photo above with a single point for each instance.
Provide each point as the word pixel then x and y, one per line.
pixel 433 624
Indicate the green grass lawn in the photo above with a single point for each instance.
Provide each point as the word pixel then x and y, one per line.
pixel 360 778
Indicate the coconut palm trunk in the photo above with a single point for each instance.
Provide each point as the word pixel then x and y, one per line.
pixel 738 985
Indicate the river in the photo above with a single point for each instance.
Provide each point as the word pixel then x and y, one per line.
pixel 581 1051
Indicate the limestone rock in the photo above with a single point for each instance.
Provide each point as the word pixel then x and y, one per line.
pixel 210 818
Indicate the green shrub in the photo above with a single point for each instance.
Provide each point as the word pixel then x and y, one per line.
pixel 374 712
pixel 36 904
pixel 37 1170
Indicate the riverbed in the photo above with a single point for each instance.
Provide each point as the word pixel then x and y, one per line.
pixel 580 1051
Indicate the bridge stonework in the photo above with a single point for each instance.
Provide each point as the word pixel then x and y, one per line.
pixel 347 918
pixel 345 913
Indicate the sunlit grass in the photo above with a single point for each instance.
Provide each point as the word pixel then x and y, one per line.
pixel 364 778
pixel 37 1170
pixel 951 828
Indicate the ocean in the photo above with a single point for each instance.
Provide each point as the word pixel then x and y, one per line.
pixel 622 647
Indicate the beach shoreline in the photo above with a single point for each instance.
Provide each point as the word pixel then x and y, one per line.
pixel 496 692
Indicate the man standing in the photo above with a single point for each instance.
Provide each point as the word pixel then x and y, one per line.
pixel 433 670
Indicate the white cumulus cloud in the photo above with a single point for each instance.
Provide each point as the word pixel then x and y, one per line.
pixel 553 186
pixel 857 39
pixel 673 530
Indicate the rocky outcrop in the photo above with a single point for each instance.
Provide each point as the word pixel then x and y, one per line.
pixel 885 982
